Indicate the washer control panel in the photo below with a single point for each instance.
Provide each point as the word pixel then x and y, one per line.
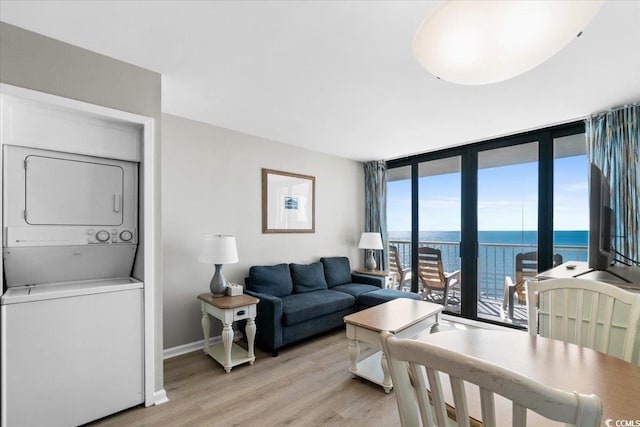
pixel 111 235
pixel 64 236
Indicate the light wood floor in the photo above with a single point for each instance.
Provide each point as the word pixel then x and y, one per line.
pixel 308 384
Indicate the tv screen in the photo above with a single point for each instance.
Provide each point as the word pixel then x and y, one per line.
pixel 600 220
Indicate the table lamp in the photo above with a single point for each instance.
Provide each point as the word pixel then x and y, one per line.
pixel 218 249
pixel 370 241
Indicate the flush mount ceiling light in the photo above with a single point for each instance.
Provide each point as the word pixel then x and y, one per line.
pixel 482 42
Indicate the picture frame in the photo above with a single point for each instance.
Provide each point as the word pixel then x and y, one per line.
pixel 288 202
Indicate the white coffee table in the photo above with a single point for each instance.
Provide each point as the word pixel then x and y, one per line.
pixel 406 318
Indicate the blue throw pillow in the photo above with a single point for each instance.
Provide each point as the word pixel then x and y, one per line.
pixel 337 270
pixel 307 278
pixel 270 279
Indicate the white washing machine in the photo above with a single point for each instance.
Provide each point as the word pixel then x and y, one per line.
pixel 72 318
pixel 71 352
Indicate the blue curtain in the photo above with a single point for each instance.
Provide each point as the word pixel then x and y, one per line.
pixel 613 144
pixel 375 199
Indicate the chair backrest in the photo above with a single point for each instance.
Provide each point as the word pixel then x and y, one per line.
pixel 527 269
pixel 524 393
pixel 394 262
pixel 586 312
pixel 430 270
pixel 526 266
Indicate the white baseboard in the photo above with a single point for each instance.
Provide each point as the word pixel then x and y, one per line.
pixel 199 345
pixel 168 353
pixel 160 397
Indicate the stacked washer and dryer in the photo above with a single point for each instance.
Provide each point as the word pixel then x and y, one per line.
pixel 72 315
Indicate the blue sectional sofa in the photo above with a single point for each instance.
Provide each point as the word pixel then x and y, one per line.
pixel 298 301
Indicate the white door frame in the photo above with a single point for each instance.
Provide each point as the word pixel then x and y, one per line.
pixel 151 396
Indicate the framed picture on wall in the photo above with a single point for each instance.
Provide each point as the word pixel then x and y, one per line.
pixel 288 202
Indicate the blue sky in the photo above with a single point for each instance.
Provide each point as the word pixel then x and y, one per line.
pixel 507 198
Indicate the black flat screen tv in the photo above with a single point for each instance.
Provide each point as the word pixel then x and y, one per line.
pixel 600 220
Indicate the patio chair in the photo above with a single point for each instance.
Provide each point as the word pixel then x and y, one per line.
pixel 421 400
pixel 432 275
pixel 526 269
pixel 402 277
pixel 589 313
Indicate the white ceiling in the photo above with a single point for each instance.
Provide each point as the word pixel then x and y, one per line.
pixel 338 76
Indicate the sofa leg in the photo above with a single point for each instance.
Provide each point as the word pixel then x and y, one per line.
pixel 274 353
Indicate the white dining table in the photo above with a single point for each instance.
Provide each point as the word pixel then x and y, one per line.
pixel 565 366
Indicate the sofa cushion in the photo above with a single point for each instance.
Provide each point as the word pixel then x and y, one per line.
pixel 370 299
pixel 298 308
pixel 270 279
pixel 355 289
pixel 337 270
pixel 307 277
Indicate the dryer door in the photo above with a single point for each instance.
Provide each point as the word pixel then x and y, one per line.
pixel 72 192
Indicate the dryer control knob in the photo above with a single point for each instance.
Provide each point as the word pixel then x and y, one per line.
pixel 126 235
pixel 103 236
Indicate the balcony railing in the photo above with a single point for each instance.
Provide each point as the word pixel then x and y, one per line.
pixel 495 261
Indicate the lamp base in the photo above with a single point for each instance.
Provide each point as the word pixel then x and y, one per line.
pixel 370 263
pixel 218 284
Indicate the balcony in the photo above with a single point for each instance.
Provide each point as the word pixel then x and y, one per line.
pixel 495 262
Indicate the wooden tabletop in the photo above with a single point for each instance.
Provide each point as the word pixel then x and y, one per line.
pixel 565 366
pixel 394 316
pixel 228 302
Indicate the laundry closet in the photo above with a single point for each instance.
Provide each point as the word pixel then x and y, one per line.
pixel 73 347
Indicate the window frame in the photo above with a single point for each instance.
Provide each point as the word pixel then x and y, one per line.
pixel 469 202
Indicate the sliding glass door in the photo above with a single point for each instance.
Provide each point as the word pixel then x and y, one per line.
pixel 507 228
pixel 498 211
pixel 399 214
pixel 439 198
pixel 570 198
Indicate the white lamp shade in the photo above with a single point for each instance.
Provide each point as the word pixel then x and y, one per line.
pixel 481 42
pixel 370 241
pixel 218 249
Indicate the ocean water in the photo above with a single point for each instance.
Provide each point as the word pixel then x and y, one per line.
pixel 560 238
pixel 497 251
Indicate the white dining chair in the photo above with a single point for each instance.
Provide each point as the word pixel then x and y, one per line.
pixel 426 362
pixel 589 313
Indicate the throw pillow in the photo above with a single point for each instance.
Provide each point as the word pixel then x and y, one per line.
pixel 337 270
pixel 270 279
pixel 307 278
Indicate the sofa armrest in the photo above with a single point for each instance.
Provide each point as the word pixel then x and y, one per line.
pixel 365 279
pixel 268 320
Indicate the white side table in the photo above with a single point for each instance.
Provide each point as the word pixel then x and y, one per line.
pixel 228 310
pixel 389 278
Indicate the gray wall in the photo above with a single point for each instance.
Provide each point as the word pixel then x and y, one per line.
pixel 211 181
pixel 32 61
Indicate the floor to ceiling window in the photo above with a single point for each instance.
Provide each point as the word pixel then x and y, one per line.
pixel 507 222
pixel 399 222
pixel 439 189
pixel 491 208
pixel 570 198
